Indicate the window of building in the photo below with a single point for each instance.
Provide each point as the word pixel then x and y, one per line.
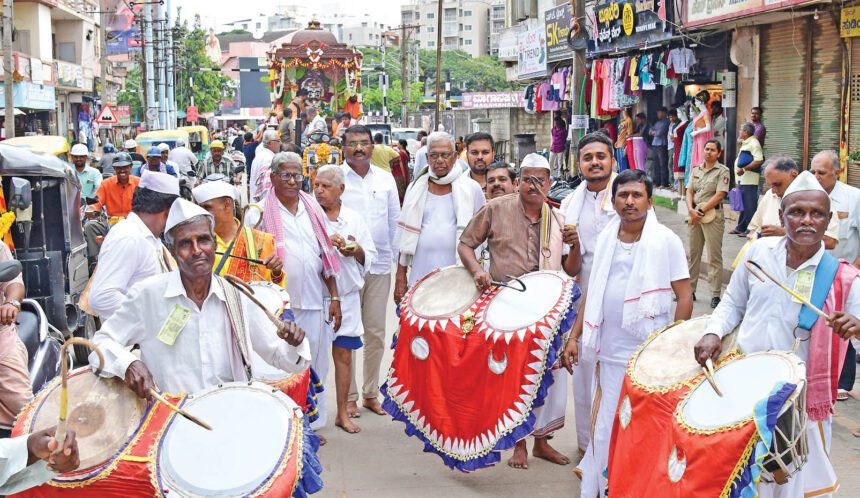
pixel 431 15
pixel 431 29
pixel 259 26
pixel 431 44
pixel 467 42
pixel 467 27
pixel 467 13
pixel 350 37
pixel 66 51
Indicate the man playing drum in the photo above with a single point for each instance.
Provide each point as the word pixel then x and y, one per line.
pixel 586 211
pixel 350 235
pixel 772 320
pixel 132 250
pixel 194 329
pixel 638 265
pixel 237 245
pixel 504 224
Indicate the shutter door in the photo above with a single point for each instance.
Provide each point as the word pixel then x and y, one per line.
pixel 854 123
pixel 826 87
pixel 783 56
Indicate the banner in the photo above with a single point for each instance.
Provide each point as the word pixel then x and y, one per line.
pixel 70 75
pixel 123 115
pixel 629 23
pixel 698 12
pixel 850 22
pixel 557 22
pixel 491 100
pixel 531 60
pixel 122 34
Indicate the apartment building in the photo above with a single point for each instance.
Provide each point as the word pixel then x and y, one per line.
pixel 466 24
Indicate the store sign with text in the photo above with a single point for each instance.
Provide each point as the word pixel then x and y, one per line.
pixel 697 12
pixel 531 57
pixel 491 100
pixel 123 115
pixel 557 22
pixel 70 75
pixel 629 23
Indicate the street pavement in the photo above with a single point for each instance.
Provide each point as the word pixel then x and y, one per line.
pixel 382 461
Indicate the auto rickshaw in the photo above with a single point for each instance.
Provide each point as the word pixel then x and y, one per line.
pixel 149 138
pixel 45 195
pixel 51 145
pixel 199 139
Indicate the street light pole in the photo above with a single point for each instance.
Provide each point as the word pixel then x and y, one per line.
pixel 436 115
pixel 8 70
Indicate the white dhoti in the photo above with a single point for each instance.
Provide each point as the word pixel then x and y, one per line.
pixel 606 392
pixel 583 383
pixel 350 323
pixel 318 334
pixel 550 416
pixel 817 478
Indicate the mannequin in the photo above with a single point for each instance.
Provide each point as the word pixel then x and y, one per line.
pixel 702 130
pixel 678 139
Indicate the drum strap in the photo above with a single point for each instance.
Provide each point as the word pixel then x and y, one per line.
pixel 237 323
pixel 825 274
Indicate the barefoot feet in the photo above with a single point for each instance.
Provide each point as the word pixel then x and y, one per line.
pixel 344 422
pixel 352 409
pixel 542 449
pixel 373 405
pixel 520 458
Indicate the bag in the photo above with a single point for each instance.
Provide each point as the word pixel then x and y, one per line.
pixel 745 157
pixel 736 200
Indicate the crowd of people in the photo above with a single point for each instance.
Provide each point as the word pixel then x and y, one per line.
pixel 368 229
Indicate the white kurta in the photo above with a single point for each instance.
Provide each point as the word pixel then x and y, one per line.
pixel 15 474
pixel 350 280
pixel 615 348
pixel 130 254
pixel 375 197
pixel 201 354
pixel 767 317
pixel 262 159
pixel 845 202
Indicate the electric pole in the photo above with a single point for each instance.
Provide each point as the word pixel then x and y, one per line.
pixel 405 78
pixel 383 84
pixel 151 110
pixel 437 115
pixel 8 70
pixel 103 59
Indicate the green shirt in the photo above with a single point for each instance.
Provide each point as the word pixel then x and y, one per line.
pixel 90 179
pixel 752 146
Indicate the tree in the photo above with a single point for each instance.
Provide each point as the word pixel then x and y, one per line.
pixel 132 95
pixel 210 87
pixel 372 97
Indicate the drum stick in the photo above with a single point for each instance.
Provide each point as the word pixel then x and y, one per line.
pixel 250 260
pixel 60 433
pixel 249 292
pixel 754 268
pixel 709 374
pixel 178 410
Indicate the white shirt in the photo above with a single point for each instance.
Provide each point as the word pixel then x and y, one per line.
pixel 617 345
pixel 201 355
pixel 437 244
pixel 317 125
pixel 303 261
pixel 592 219
pixel 183 158
pixel 351 276
pixel 420 161
pixel 130 253
pixel 15 474
pixel 845 202
pixel 375 197
pixel 767 213
pixel 767 315
pixel 263 159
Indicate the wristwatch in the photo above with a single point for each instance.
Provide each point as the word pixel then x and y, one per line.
pixel 14 302
pixel 335 298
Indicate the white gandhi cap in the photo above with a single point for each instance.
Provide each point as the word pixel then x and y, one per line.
pixel 160 182
pixel 534 160
pixel 182 211
pixel 804 182
pixel 213 190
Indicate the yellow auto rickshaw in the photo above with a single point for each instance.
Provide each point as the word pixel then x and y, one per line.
pixel 51 145
pixel 149 138
pixel 199 139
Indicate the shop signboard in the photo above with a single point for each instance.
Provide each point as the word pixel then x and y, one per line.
pixel 491 100
pixel 698 12
pixel 531 59
pixel 557 22
pixel 26 95
pixel 508 48
pixel 626 24
pixel 123 115
pixel 849 24
pixel 70 75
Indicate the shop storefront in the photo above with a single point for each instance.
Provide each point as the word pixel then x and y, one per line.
pixel 36 104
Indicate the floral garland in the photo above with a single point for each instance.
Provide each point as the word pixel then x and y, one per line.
pixel 6 221
pixel 297 62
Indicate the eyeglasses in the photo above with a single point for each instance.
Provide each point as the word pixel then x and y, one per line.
pixel 357 144
pixel 285 177
pixel 435 156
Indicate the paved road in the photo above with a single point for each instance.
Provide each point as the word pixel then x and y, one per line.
pixel 382 461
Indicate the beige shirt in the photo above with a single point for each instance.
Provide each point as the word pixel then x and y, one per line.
pixel 767 213
pixel 706 183
pixel 513 240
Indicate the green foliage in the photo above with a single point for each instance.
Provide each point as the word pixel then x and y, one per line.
pixel 466 73
pixel 132 95
pixel 210 88
pixel 237 31
pixel 372 97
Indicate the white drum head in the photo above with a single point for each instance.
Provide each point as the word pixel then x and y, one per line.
pixel 744 382
pixel 273 296
pixel 250 429
pixel 668 358
pixel 511 310
pixel 444 294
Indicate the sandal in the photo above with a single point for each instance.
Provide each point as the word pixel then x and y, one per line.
pixel 841 395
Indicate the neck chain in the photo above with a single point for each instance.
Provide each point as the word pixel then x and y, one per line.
pixel 628 248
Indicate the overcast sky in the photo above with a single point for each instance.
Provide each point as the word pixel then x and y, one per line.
pixel 215 13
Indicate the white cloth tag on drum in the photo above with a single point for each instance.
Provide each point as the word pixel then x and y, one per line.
pixel 173 325
pixel 803 284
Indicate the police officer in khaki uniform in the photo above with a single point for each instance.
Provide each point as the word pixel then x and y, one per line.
pixel 709 185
